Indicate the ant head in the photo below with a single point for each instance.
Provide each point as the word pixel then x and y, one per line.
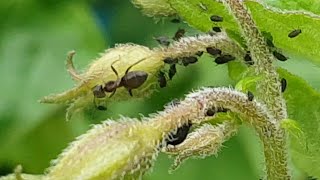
pixel 98 91
pixel 110 86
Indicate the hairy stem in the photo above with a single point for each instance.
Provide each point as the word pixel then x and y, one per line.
pixel 268 89
pixel 269 86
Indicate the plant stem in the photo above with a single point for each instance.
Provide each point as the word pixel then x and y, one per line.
pixel 269 91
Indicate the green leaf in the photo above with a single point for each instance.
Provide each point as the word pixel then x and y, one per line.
pixel 32 57
pixel 303 106
pixel 309 5
pixel 278 23
pixel 293 128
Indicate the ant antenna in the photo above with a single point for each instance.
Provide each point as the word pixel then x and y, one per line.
pixel 70 67
pixel 113 69
pixel 135 64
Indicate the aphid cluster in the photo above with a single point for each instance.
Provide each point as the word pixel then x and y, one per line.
pixel 216 19
pixel 275 51
pixel 172 62
pixel 220 58
pixel 130 80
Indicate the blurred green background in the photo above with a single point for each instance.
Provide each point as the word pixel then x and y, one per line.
pixel 35 36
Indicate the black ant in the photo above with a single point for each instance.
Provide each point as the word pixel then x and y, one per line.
pixel 130 80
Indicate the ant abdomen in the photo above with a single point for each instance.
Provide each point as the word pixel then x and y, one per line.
pixel 133 79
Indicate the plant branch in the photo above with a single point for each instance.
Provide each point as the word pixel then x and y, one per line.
pixel 269 90
pixel 269 86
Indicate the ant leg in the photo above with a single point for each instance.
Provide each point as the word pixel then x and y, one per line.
pixel 130 92
pixel 113 93
pixel 99 107
pixel 70 67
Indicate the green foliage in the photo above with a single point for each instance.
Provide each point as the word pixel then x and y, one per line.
pixel 303 106
pixel 278 23
pixel 34 46
pixel 302 5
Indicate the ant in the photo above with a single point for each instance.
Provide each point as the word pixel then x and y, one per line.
pixel 130 80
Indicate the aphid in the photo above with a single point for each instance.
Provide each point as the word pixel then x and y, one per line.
pixel 175 20
pixel 213 51
pixel 162 79
pixel 170 60
pixel 221 109
pixel 130 80
pixel 269 38
pixel 224 59
pixel 172 71
pixel 283 84
pixel 162 40
pixel 199 53
pixel 216 18
pixel 216 29
pixel 210 112
pixel 279 56
pixel 101 108
pixel 270 43
pixel 180 135
pixel 250 96
pixel 189 60
pixel 248 59
pixel 294 33
pixel 98 91
pixel 179 34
